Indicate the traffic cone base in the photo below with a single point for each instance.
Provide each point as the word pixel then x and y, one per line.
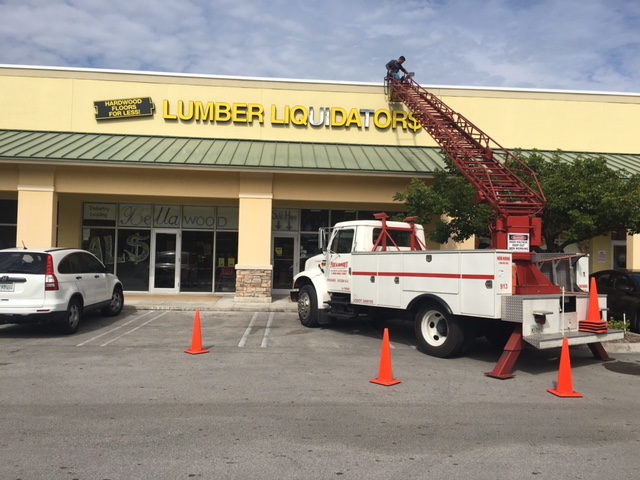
pixel 564 387
pixel 386 383
pixel 196 340
pixel 385 377
pixel 565 394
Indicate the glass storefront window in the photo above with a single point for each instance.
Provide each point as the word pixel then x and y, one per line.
pixel 100 242
pixel 228 218
pixel 9 212
pixel 342 216
pixel 133 259
pixel 226 256
pixel 197 262
pixel 99 214
pixel 283 261
pixel 8 234
pixel 369 214
pixel 308 247
pixel 285 220
pixel 312 220
pixel 134 215
pixel 167 216
pixel 8 223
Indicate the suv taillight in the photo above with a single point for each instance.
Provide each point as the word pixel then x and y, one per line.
pixel 50 280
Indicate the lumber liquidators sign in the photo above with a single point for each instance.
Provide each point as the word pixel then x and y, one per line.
pixel 124 108
pixel 192 112
pixel 224 113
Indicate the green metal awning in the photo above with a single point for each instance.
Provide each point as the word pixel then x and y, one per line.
pixel 90 148
pixel 104 149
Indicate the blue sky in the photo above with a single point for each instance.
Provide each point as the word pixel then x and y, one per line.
pixel 591 45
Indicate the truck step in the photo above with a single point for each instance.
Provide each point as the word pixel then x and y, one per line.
pixel 340 303
pixel 575 338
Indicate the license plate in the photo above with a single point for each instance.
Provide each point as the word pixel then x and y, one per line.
pixel 6 287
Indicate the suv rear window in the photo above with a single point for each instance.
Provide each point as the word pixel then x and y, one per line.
pixel 23 262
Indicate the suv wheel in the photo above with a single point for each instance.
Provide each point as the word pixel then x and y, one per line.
pixel 69 324
pixel 115 305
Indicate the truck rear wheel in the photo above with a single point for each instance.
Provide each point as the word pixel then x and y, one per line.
pixel 438 333
pixel 308 306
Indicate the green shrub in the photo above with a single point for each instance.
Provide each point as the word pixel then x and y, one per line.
pixel 618 325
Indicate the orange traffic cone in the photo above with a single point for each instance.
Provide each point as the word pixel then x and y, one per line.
pixel 385 377
pixel 196 341
pixel 594 322
pixel 594 314
pixel 564 387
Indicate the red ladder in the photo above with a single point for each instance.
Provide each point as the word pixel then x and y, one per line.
pixel 500 178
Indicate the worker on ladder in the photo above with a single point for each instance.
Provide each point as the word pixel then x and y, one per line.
pixel 394 67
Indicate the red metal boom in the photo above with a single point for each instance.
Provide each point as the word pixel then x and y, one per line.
pixel 500 178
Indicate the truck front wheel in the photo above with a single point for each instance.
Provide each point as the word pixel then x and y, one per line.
pixel 438 333
pixel 308 306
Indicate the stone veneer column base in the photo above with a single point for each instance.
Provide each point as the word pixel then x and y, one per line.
pixel 253 283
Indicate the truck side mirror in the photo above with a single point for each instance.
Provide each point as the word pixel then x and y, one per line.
pixel 322 238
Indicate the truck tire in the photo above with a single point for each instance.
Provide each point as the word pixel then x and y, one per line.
pixel 308 306
pixel 438 333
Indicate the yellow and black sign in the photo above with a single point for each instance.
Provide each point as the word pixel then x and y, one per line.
pixel 124 108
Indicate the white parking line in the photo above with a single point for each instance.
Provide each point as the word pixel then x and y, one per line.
pixel 267 330
pixel 114 329
pixel 247 332
pixel 134 329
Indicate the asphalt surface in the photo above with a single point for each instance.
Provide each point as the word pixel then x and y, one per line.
pixel 273 400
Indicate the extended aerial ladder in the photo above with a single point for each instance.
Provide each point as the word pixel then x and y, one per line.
pixel 500 178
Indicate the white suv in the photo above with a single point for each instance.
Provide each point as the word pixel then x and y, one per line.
pixel 55 285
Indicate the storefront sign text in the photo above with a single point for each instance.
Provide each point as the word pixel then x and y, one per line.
pixel 298 115
pixel 123 108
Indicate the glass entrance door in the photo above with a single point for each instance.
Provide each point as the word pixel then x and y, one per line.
pixel 284 258
pixel 166 261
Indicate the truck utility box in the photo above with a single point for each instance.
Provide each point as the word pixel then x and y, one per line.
pixel 471 282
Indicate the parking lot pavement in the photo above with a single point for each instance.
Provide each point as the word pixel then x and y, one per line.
pixel 272 399
pixel 173 329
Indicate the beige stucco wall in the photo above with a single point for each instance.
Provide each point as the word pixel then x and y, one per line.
pixel 54 100
pixel 62 100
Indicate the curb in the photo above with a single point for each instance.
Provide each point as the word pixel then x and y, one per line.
pixel 219 306
pixel 621 347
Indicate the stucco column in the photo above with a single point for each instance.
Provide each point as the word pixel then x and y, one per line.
pixel 254 269
pixel 633 252
pixel 37 207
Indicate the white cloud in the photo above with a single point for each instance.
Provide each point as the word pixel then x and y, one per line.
pixel 569 44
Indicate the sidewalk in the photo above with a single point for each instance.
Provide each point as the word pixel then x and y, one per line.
pixel 205 302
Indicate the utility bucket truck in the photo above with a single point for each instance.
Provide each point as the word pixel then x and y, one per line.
pixel 379 268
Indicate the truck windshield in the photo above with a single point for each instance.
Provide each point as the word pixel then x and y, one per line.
pixel 342 241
